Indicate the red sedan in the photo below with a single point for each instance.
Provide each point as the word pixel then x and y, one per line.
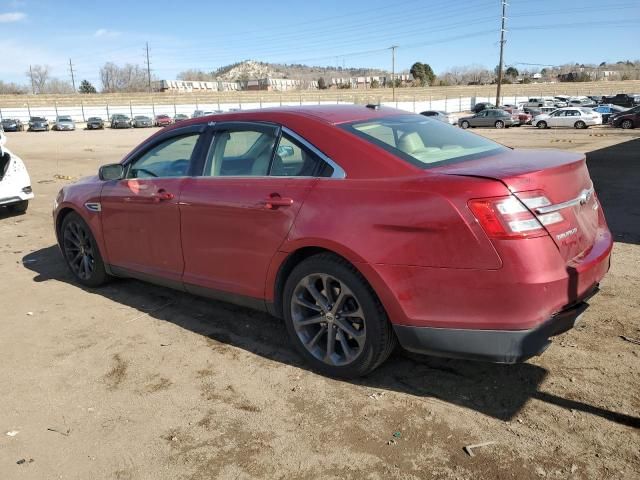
pixel 360 226
pixel 163 120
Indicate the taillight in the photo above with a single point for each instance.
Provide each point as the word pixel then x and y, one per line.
pixel 511 217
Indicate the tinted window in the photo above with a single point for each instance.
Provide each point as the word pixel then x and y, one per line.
pixel 424 142
pixel 243 152
pixel 292 159
pixel 169 158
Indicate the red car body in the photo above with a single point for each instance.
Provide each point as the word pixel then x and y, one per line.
pixel 163 120
pixel 430 242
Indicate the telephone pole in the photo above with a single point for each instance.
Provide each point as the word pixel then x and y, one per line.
pixel 33 86
pixel 393 71
pixel 502 42
pixel 148 68
pixel 73 79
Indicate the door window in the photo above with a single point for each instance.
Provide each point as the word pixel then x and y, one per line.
pixel 169 158
pixel 245 152
pixel 559 113
pixel 292 159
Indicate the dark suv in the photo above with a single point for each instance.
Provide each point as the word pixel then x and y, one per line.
pixel 627 119
pixel 621 99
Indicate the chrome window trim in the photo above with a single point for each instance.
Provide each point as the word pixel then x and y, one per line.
pixel 338 171
pixel 581 199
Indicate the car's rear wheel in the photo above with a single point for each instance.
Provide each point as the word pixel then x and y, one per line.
pixel 334 318
pixel 627 124
pixel 541 124
pixel 20 207
pixel 464 124
pixel 499 124
pixel 580 124
pixel 81 251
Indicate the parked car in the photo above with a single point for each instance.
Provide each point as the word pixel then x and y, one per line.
pixel 163 120
pixel 180 118
pixel 120 121
pixel 478 107
pixel 540 102
pixel 607 110
pixel 440 115
pixel 140 121
pixel 11 125
pixel 568 117
pixel 64 122
pixel 560 101
pixel 581 102
pixel 211 209
pixel 197 114
pixel 15 184
pixel 95 123
pixel 534 112
pixel 627 119
pixel 621 99
pixel 493 117
pixel 596 98
pixel 38 124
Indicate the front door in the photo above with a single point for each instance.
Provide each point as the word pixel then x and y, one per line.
pixel 140 213
pixel 238 213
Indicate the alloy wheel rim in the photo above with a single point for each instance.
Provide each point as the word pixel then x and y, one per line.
pixel 78 250
pixel 328 319
pixel 499 124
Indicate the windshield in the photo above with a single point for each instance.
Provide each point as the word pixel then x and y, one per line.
pixel 64 119
pixel 424 142
pixel 37 119
pixel 95 119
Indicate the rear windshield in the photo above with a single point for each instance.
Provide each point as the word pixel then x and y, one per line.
pixel 423 141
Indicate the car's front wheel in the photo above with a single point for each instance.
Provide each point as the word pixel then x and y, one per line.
pixel 541 124
pixel 334 318
pixel 81 251
pixel 626 124
pixel 464 124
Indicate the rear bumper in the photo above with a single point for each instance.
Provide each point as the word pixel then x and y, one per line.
pixel 498 346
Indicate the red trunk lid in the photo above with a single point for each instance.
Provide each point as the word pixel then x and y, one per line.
pixel 561 176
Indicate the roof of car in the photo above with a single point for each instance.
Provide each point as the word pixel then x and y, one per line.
pixel 332 114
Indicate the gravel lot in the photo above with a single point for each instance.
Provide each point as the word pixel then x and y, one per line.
pixel 134 381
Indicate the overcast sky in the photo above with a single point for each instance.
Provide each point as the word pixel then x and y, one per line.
pixel 209 34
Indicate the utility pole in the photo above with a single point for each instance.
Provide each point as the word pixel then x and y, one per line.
pixel 502 42
pixel 33 87
pixel 148 68
pixel 73 79
pixel 393 71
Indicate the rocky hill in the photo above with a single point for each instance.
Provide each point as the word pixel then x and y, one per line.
pixel 250 69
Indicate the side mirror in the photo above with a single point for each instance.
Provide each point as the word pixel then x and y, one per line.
pixel 112 171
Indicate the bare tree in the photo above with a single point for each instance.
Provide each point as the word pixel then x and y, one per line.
pixel 193 74
pixel 128 78
pixel 55 85
pixel 39 76
pixel 11 88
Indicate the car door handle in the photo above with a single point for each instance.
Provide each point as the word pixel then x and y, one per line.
pixel 162 195
pixel 276 201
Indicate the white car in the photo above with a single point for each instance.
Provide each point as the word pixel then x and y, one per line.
pixel 15 184
pixel 568 117
pixel 442 116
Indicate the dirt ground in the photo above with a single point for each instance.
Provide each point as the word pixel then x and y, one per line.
pixel 133 381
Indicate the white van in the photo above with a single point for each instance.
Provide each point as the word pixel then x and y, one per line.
pixel 539 102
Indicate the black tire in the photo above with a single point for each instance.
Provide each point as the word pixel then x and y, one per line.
pixel 627 124
pixel 499 124
pixel 76 240
pixel 464 124
pixel 20 207
pixel 370 320
pixel 580 125
pixel 541 124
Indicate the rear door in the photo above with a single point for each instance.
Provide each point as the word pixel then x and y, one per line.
pixel 238 212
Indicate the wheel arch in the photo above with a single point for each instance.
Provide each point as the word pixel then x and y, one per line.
pixel 285 262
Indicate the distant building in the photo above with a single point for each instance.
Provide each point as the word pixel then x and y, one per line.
pixel 188 86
